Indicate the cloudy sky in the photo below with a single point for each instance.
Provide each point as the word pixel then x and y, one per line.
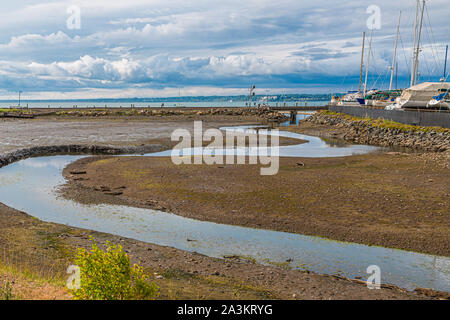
pixel 154 48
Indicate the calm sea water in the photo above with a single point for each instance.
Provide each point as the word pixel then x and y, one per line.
pixel 102 104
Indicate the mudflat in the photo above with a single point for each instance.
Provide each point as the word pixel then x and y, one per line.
pixel 35 254
pixel 18 134
pixel 388 199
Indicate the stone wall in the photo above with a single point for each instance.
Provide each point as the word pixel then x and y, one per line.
pixel 74 149
pixel 411 117
pixel 365 132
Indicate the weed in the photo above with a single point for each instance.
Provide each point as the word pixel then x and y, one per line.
pixel 6 292
pixel 108 275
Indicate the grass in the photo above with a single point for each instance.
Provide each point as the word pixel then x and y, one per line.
pixel 44 261
pixel 23 279
pixel 34 256
pixel 387 124
pixel 6 291
pixel 179 284
pixel 13 110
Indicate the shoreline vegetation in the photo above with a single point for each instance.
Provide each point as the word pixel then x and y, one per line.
pixel 35 254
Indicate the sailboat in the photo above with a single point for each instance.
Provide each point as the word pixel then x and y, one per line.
pixel 367 96
pixel 384 98
pixel 362 97
pixel 442 99
pixel 419 95
pixel 352 97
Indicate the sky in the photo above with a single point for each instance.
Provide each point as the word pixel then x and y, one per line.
pixel 158 48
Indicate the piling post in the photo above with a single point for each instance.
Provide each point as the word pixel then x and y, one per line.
pixel 293 117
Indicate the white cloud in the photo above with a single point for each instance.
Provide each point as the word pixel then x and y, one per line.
pixel 88 67
pixel 160 44
pixel 32 40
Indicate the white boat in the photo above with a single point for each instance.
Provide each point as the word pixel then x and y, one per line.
pixel 334 101
pixel 383 98
pixel 441 100
pixel 350 99
pixel 418 96
pixel 380 103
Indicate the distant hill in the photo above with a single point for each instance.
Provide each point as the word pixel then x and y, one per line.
pixel 270 98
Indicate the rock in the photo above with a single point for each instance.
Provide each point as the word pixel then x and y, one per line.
pixel 368 132
pixel 73 149
pixel 77 172
pixel 80 179
pixel 117 193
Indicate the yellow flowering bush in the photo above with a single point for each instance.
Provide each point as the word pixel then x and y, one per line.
pixel 108 275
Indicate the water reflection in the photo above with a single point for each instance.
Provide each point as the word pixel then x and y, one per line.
pixel 314 147
pixel 298 117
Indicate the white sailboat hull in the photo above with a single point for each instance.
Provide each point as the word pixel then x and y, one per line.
pixel 441 104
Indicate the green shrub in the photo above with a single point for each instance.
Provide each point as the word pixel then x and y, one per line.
pixel 108 275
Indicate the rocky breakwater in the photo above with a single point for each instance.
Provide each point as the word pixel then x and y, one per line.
pixel 264 113
pixel 385 133
pixel 40 151
pixel 261 113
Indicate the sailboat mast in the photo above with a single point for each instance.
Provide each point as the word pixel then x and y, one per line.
pixel 396 76
pixel 362 61
pixel 416 64
pixel 413 62
pixel 395 52
pixel 368 62
pixel 445 65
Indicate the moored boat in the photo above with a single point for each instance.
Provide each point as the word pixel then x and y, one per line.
pixel 418 96
pixel 383 98
pixel 350 99
pixel 441 100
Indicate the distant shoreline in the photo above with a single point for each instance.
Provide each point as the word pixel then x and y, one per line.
pixel 66 104
pixel 238 98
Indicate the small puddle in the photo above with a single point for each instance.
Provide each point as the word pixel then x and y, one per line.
pixel 30 185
